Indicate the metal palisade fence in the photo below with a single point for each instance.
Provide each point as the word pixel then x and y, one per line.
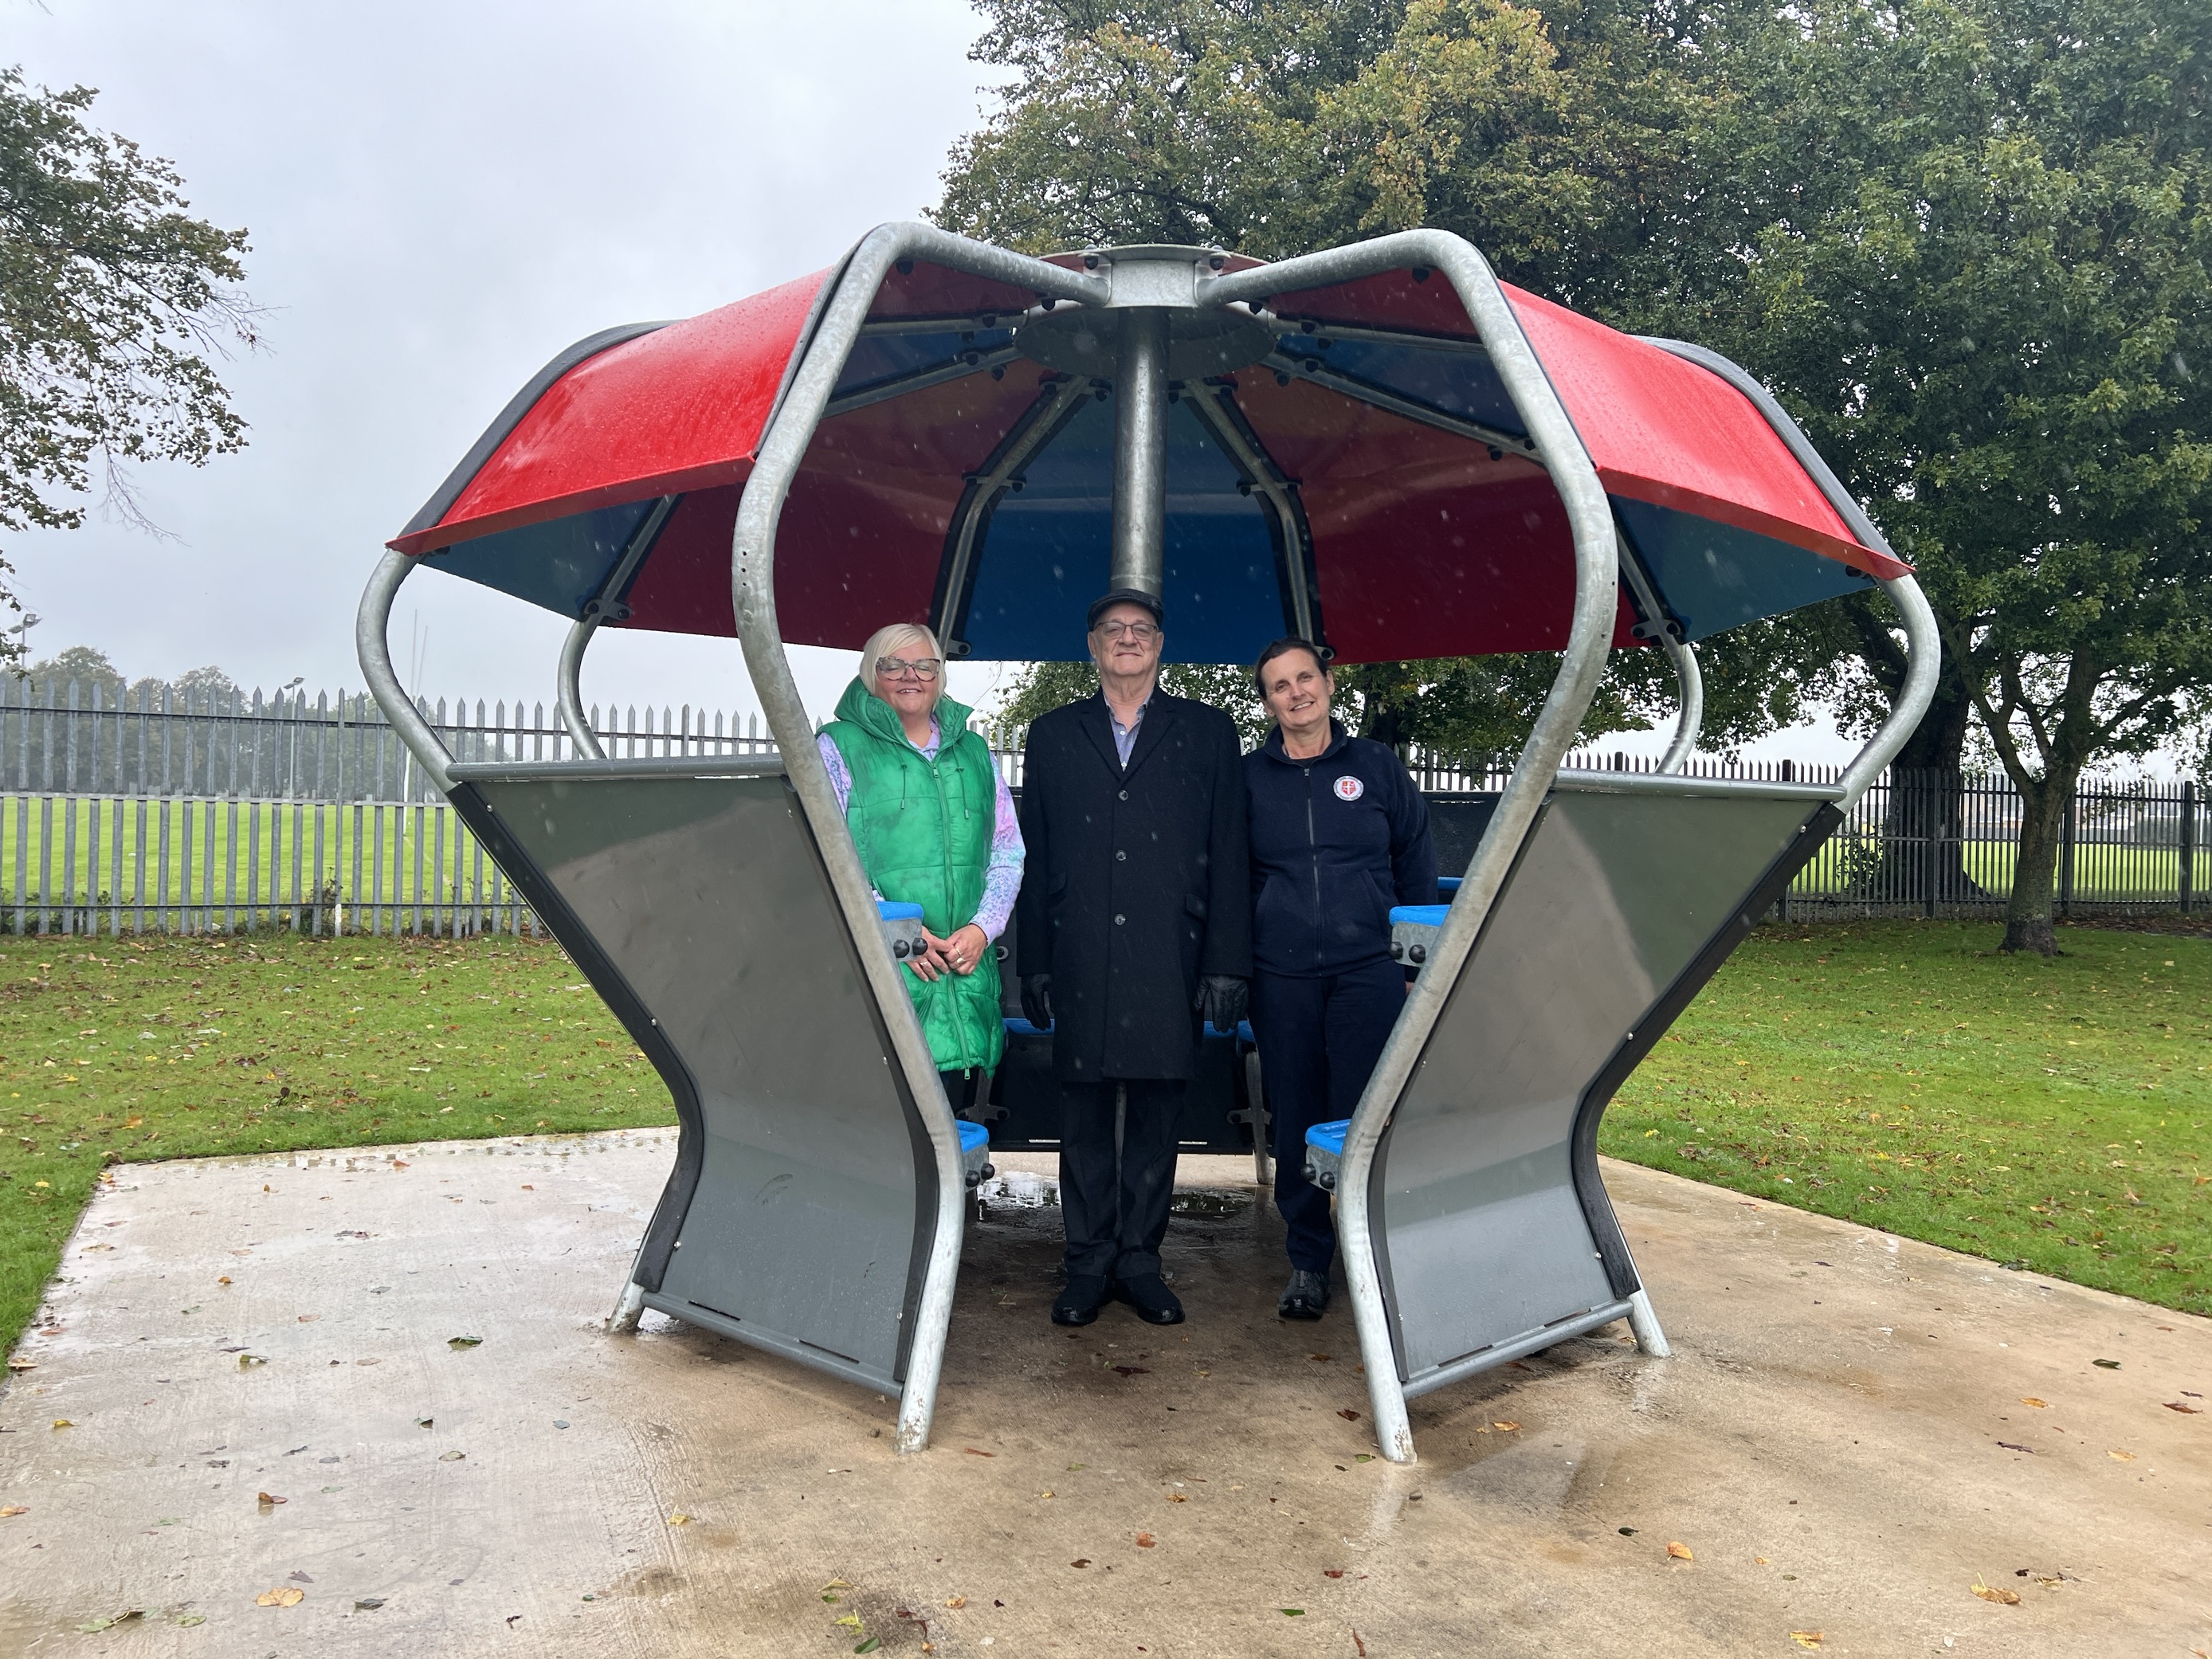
pixel 161 809
pixel 158 809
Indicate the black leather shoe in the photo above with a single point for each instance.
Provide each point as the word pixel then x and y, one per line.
pixel 1079 1302
pixel 1148 1294
pixel 1306 1297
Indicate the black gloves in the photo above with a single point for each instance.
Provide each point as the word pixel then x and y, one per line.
pixel 1221 999
pixel 1037 1000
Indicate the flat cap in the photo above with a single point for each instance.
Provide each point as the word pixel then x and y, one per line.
pixel 1136 596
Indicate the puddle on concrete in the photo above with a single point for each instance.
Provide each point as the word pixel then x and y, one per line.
pixel 1023 1189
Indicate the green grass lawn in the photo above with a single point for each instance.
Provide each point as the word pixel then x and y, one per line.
pixel 115 1050
pixel 2046 1113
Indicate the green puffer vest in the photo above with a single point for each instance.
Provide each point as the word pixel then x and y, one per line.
pixel 924 829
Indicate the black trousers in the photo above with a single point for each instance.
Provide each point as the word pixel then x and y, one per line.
pixel 1319 1041
pixel 1116 1210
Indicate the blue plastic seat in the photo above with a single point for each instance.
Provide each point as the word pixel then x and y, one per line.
pixel 975 1152
pixel 1418 915
pixel 972 1136
pixel 1447 883
pixel 1017 1027
pixel 1244 1031
pixel 1329 1137
pixel 896 910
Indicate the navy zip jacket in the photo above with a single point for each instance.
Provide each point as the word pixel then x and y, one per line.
pixel 1336 841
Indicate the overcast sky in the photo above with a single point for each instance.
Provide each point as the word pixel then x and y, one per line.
pixel 441 196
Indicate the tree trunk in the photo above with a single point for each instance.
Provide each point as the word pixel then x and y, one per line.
pixel 2035 876
pixel 1922 827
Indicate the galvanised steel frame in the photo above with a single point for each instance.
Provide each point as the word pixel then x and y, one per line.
pixel 1148 287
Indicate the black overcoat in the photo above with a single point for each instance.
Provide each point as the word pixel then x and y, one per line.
pixel 1136 881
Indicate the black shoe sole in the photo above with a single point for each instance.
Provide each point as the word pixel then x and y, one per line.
pixel 1075 1315
pixel 1306 1311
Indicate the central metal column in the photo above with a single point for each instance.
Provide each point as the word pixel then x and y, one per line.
pixel 1140 452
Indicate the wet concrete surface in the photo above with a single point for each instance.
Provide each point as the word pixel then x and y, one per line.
pixel 1844 1443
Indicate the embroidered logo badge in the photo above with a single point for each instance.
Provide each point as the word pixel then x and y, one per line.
pixel 1349 789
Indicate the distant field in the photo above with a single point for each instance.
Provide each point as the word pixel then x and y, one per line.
pixel 2045 1114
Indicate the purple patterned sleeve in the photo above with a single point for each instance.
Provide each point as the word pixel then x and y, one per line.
pixel 1004 877
pixel 840 778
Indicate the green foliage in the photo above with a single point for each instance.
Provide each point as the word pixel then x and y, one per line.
pixel 1985 294
pixel 2045 1112
pixel 274 1044
pixel 1041 687
pixel 112 301
pixel 1966 241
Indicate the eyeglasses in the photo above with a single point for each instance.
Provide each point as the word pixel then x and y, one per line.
pixel 1143 632
pixel 898 668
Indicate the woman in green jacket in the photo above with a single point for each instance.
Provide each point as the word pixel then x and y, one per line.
pixel 935 826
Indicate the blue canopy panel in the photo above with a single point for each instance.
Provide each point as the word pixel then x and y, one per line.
pixel 1713 577
pixel 560 564
pixel 885 360
pixel 1045 553
pixel 1460 381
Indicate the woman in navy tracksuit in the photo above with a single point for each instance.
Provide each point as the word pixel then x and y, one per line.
pixel 1339 835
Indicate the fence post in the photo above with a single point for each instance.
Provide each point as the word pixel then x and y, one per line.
pixel 2185 886
pixel 2066 856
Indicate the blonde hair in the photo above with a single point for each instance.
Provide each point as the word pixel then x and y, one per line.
pixel 899 637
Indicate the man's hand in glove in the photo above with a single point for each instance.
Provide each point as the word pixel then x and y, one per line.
pixel 1037 1000
pixel 1221 999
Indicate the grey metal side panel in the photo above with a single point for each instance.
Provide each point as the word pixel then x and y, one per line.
pixel 812 1211
pixel 1483 1238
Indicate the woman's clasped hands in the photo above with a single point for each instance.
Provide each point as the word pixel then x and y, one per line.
pixel 958 954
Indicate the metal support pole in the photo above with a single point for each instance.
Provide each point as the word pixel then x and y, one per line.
pixel 1140 452
pixel 782 446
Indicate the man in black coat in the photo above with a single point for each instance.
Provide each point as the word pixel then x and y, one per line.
pixel 1134 920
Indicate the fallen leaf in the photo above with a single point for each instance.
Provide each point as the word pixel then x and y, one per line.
pixel 2014 1445
pixel 369 1603
pixel 870 1645
pixel 2183 1406
pixel 308 1319
pixel 1145 1541
pixel 1680 1552
pixel 1506 1428
pixel 17 1363
pixel 63 1422
pixel 1291 1613
pixel 284 1595
pixel 1080 1561
pixel 1131 1371
pixel 834 1584
pixel 451 1456
pixel 2030 1399
pixel 1806 1638
pixel 2108 1365
pixel 300 1577
pixel 1996 1592
pixel 1332 1573
pixel 2121 1457
pixel 1348 1414
pixel 1047 1493
pixel 225 1279
pixel 1177 1498
pixel 14 1510
pixel 956 1602
pixel 264 1498
pixel 974 1451
pixel 186 1621
pixel 851 1620
pixel 463 1341
pixel 679 1520
pixel 247 1362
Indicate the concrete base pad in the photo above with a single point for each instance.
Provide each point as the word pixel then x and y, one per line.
pixel 1854 1431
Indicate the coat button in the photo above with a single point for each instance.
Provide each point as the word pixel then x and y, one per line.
pixel 1121 858
pixel 1125 794
pixel 1118 920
